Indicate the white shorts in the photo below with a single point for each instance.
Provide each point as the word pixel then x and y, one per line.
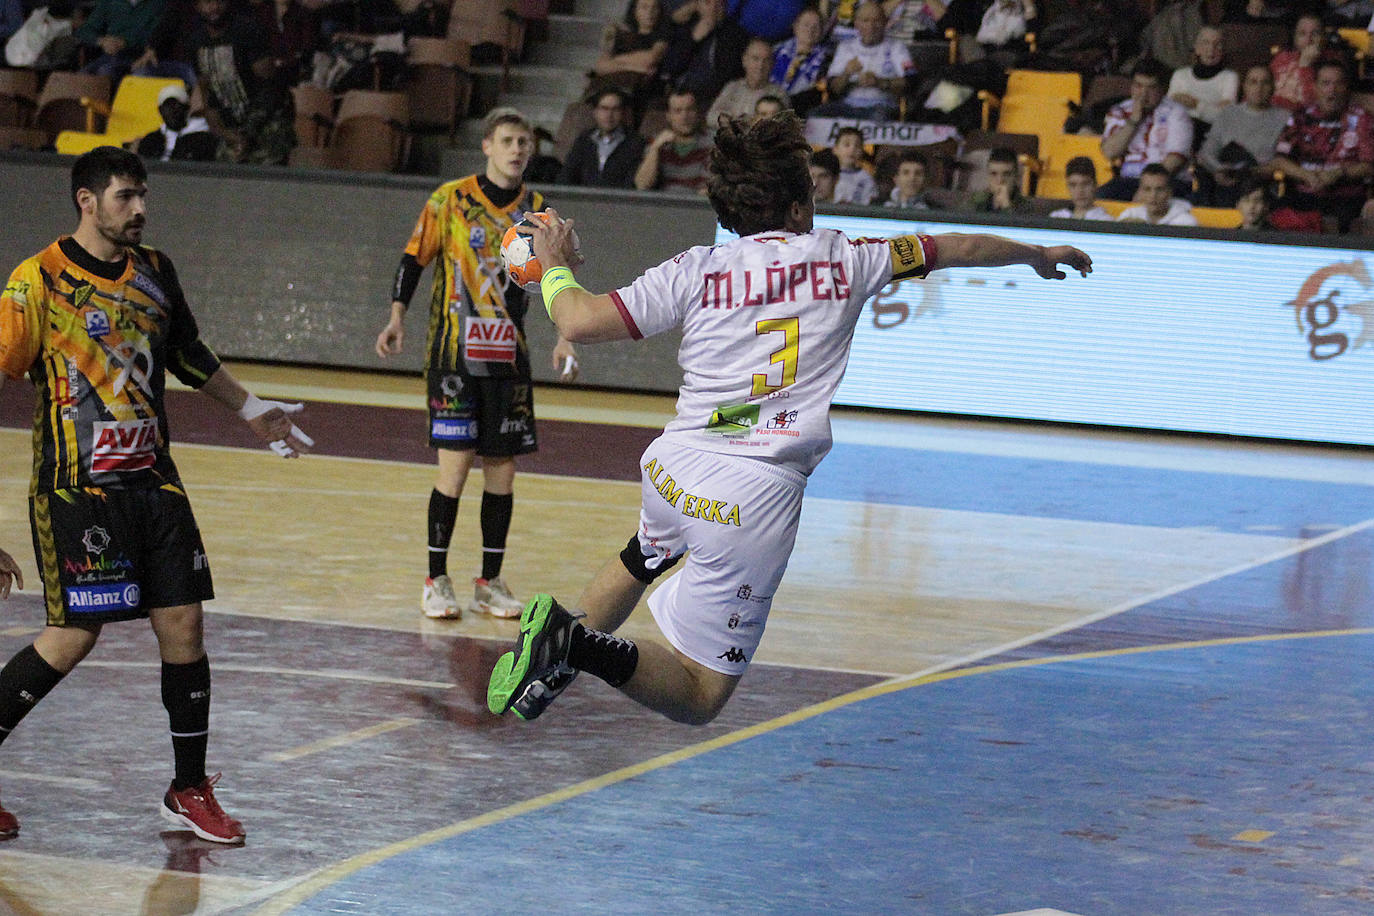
pixel 736 519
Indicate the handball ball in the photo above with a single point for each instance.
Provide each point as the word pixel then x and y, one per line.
pixel 517 253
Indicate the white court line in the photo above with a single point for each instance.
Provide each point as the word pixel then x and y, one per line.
pixel 1139 602
pixel 73 782
pixel 331 674
pixel 353 737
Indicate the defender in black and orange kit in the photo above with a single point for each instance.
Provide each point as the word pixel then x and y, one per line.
pixel 95 320
pixel 477 375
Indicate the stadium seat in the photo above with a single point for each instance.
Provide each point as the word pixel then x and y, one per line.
pixel 18 97
pixel 487 24
pixel 314 115
pixel 1114 207
pixel 1058 150
pixel 371 131
pixel 30 138
pixel 132 114
pixel 1067 85
pixel 1358 39
pixel 1041 115
pixel 59 103
pixel 439 85
pixel 1217 217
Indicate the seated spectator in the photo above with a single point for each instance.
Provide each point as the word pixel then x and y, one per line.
pixel 1080 174
pixel 853 184
pixel 233 65
pixel 181 137
pixel 1003 194
pixel 737 97
pixel 909 20
pixel 676 160
pixel 1147 129
pixel 799 62
pixel 1241 140
pixel 631 50
pixel 825 171
pixel 1002 32
pixel 1327 150
pixel 1295 68
pixel 606 155
pixel 1207 86
pixel 769 105
pixel 1255 202
pixel 119 30
pixel 909 190
pixel 868 75
pixel 44 41
pixel 1156 203
pixel 705 48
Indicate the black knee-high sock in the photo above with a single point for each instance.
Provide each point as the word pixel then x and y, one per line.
pixel 496 512
pixel 186 694
pixel 24 681
pixel 611 658
pixel 443 511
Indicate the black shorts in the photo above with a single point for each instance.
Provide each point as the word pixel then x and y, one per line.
pixel 110 555
pixel 495 416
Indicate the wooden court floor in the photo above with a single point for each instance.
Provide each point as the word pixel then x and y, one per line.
pixel 1022 667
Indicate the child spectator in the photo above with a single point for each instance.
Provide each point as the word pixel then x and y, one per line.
pixel 768 105
pixel 1003 194
pixel 1255 202
pixel 853 185
pixel 1081 177
pixel 825 170
pixel 909 183
pixel 1157 205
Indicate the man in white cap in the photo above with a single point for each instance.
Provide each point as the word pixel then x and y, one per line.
pixel 180 137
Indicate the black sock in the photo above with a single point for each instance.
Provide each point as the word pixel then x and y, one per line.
pixel 186 694
pixel 24 681
pixel 496 512
pixel 611 658
pixel 443 511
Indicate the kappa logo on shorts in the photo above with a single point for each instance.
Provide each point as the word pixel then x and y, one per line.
pixel 733 655
pixel 92 598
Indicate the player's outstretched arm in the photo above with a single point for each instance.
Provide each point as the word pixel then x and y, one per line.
pixel 955 249
pixel 9 572
pixel 270 420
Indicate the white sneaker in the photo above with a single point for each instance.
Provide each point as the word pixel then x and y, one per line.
pixel 493 597
pixel 440 601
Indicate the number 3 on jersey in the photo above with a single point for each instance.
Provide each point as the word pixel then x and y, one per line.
pixel 786 355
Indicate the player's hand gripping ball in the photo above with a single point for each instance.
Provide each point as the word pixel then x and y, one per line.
pixel 517 253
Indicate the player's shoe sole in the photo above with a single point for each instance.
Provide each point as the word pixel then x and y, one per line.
pixel 540 651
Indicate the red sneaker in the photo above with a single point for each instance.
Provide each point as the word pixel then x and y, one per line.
pixel 197 810
pixel 9 825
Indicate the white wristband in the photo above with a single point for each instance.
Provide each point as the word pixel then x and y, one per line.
pixel 253 407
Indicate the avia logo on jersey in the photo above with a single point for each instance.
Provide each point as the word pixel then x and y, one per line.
pixel 733 655
pixel 709 510
pixel 453 430
pixel 1330 325
pixel 97 324
pixel 490 340
pixel 126 445
pixel 92 598
pixel 820 281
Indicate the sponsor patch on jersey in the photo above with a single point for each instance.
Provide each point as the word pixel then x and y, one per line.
pixel 120 596
pixel 128 445
pixel 477 237
pixel 908 256
pixel 453 430
pixel 733 420
pixel 97 324
pixel 491 340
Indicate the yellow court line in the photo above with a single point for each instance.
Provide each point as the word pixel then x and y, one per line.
pixel 319 880
pixel 353 737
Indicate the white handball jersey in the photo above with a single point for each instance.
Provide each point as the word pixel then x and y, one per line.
pixel 767 322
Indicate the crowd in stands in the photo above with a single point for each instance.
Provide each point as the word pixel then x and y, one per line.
pixel 1191 115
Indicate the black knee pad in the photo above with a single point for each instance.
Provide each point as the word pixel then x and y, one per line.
pixel 635 561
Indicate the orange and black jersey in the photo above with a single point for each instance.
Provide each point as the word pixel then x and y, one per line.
pixel 95 338
pixel 477 316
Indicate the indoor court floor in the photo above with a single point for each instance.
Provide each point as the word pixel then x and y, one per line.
pixel 1012 668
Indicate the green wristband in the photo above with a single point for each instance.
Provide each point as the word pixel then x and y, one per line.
pixel 554 281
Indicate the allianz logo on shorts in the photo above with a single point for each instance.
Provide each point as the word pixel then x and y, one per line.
pixel 454 430
pixel 115 597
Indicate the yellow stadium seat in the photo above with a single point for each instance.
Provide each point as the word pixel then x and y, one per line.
pixel 1114 207
pixel 1053 83
pixel 1358 39
pixel 131 114
pixel 1041 115
pixel 1056 155
pixel 1217 217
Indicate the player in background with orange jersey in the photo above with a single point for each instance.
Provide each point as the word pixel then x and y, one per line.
pixel 477 375
pixel 95 320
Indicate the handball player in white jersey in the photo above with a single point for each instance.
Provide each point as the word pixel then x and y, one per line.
pixel 767 322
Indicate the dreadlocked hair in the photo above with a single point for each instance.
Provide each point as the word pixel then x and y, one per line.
pixel 759 169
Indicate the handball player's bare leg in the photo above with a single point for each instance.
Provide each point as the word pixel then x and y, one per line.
pixel 64 647
pixel 453 471
pixel 498 475
pixel 180 633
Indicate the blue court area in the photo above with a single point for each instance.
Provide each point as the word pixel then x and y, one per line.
pixel 1215 778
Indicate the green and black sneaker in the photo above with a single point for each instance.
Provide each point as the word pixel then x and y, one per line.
pixel 531 676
